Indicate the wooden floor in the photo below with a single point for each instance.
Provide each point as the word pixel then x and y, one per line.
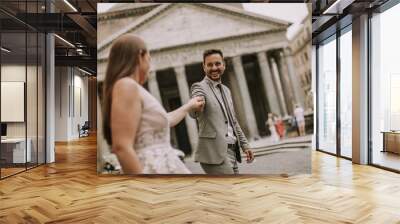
pixel 387 159
pixel 70 191
pixel 10 171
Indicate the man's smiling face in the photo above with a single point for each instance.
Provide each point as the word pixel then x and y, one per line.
pixel 214 66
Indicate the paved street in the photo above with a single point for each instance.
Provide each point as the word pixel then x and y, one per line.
pixel 280 161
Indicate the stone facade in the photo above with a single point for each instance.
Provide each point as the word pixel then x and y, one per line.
pixel 260 65
pixel 300 47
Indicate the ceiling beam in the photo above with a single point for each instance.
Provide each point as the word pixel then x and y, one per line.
pixel 78 61
pixel 86 26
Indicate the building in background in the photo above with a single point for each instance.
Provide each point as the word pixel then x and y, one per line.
pixel 300 48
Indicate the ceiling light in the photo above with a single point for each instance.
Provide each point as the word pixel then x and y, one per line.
pixel 86 72
pixel 5 50
pixel 331 7
pixel 338 6
pixel 70 5
pixel 80 51
pixel 64 40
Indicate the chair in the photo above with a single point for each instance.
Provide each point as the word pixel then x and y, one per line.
pixel 84 130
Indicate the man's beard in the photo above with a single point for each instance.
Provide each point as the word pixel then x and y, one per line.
pixel 215 75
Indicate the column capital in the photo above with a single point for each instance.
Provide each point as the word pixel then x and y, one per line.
pixel 152 75
pixel 262 57
pixel 287 52
pixel 237 59
pixel 179 70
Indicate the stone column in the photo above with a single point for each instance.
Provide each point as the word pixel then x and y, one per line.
pixel 246 100
pixel 298 92
pixel 153 86
pixel 185 96
pixel 269 87
pixel 281 97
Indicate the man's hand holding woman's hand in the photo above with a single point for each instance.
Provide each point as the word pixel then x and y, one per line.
pixel 196 103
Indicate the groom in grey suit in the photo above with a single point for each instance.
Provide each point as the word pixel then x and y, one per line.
pixel 221 139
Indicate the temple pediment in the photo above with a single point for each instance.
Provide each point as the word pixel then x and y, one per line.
pixel 172 25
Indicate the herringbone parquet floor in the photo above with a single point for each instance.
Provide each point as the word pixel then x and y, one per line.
pixel 70 191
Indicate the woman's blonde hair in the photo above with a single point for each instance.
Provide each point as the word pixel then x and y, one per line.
pixel 122 62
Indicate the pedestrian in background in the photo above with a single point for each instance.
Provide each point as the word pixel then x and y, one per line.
pixel 299 115
pixel 272 129
pixel 280 127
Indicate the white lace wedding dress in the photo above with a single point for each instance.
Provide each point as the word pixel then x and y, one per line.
pixel 152 143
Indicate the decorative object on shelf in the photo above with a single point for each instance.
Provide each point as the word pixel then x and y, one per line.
pixel 109 167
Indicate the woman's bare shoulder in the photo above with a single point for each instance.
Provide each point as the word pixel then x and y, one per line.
pixel 126 83
pixel 126 88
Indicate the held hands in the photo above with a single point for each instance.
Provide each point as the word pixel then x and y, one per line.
pixel 196 104
pixel 249 155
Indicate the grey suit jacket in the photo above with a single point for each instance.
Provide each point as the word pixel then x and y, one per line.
pixel 212 122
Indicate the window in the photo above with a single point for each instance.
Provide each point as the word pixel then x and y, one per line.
pixel 327 95
pixel 22 68
pixel 346 93
pixel 385 89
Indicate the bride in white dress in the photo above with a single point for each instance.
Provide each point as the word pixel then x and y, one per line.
pixel 134 123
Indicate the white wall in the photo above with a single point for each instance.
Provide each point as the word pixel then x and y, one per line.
pixel 61 103
pixel 33 126
pixel 14 73
pixel 81 82
pixel 71 94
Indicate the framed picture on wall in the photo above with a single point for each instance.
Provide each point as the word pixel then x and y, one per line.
pixel 234 59
pixel 12 101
